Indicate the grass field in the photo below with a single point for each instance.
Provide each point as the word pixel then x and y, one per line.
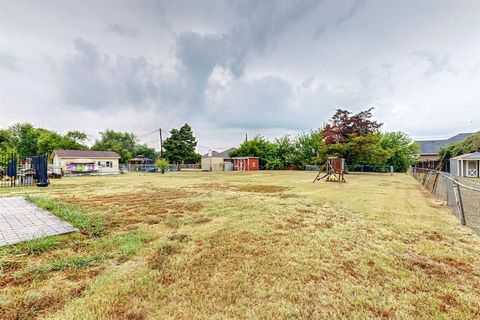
pixel 265 245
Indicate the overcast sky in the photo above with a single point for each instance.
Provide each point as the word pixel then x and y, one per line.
pixel 235 67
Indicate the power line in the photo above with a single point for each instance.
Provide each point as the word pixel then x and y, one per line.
pixel 146 134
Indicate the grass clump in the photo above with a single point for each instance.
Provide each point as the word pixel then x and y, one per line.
pixel 125 244
pixel 74 263
pixel 160 257
pixel 88 223
pixel 39 245
pixel 172 221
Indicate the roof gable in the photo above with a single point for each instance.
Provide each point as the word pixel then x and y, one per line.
pixel 223 154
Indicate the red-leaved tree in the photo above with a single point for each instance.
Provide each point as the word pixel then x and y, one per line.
pixel 344 125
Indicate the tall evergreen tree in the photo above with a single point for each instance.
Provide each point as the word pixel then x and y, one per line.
pixel 180 146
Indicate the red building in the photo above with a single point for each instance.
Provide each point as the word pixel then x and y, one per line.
pixel 245 163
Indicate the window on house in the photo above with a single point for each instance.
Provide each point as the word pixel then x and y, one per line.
pixel 109 164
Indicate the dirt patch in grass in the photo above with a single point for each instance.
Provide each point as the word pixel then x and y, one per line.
pixel 439 266
pixel 447 302
pixel 122 310
pixel 214 187
pixel 135 206
pixel 265 188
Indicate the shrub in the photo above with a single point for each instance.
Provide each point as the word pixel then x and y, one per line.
pixel 162 165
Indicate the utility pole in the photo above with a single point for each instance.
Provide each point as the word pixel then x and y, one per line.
pixel 161 145
pixel 246 137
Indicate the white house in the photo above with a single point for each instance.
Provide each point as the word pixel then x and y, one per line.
pixel 85 162
pixel 466 165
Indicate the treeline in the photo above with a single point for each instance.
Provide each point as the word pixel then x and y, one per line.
pixel 355 137
pixel 27 140
pixel 469 145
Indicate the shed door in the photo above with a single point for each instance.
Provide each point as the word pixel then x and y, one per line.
pixel 472 169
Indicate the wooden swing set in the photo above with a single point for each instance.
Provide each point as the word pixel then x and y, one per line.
pixel 334 170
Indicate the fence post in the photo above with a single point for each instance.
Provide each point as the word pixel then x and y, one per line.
pixel 428 179
pixel 458 202
pixel 424 178
pixel 434 188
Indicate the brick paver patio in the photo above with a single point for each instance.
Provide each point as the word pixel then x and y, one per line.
pixel 21 220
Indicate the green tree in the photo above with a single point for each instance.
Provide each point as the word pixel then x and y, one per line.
pixel 283 154
pixel 6 139
pixel 309 149
pixel 403 152
pixel 258 147
pixel 79 136
pixel 470 144
pixel 24 138
pixel 122 143
pixel 180 146
pixel 143 149
pixel 49 141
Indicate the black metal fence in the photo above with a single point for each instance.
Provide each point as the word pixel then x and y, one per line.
pixel 16 172
pixel 462 197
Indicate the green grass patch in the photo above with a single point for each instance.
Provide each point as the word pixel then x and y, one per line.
pixel 75 263
pixel 126 244
pixel 172 221
pixel 43 271
pixel 39 245
pixel 91 224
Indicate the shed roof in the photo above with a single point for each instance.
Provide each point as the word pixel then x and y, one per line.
pixel 468 156
pixel 86 154
pixel 245 158
pixel 433 146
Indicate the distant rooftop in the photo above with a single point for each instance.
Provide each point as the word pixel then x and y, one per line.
pixel 433 146
pixel 86 154
pixel 223 154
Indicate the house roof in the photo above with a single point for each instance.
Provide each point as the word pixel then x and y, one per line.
pixel 86 154
pixel 468 156
pixel 223 154
pixel 429 147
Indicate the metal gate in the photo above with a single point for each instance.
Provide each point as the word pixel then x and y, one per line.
pixel 16 172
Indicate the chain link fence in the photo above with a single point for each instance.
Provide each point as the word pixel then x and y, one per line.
pixel 461 196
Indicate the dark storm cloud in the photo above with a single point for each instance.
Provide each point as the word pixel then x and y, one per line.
pixel 95 80
pixel 254 30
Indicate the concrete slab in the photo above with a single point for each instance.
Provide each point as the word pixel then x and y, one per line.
pixel 21 220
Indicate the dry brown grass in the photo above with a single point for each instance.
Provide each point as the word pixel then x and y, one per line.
pixel 268 245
